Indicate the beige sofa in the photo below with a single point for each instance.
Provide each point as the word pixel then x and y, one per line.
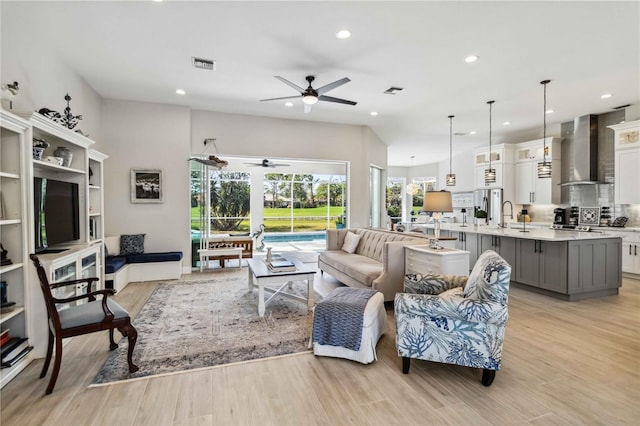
pixel 377 263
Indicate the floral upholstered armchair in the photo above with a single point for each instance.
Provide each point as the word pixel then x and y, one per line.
pixel 455 319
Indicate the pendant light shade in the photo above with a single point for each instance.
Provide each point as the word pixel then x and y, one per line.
pixel 451 177
pixel 490 173
pixel 544 167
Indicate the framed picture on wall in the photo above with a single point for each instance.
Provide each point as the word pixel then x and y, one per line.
pixel 146 186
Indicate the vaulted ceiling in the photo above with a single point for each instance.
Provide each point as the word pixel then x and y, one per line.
pixel 142 51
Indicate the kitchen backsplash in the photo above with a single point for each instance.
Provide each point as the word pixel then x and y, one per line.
pixel 589 196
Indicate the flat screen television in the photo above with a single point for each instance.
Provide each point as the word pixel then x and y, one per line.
pixel 57 212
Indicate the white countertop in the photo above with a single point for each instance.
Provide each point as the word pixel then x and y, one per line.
pixel 533 233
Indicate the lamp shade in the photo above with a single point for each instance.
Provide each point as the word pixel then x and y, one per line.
pixel 437 202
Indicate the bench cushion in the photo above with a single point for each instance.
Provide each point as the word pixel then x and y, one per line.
pixel 170 256
pixel 113 263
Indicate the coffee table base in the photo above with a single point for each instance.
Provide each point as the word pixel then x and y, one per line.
pixel 261 282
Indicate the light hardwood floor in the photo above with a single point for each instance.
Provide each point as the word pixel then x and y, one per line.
pixel 563 363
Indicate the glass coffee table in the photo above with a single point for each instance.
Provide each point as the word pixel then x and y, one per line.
pixel 261 276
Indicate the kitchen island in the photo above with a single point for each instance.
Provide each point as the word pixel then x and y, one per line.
pixel 569 265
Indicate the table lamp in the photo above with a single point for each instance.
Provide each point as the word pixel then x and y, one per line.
pixel 437 202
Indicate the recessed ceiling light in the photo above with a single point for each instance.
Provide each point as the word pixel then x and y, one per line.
pixel 471 58
pixel 506 123
pixel 157 1
pixel 288 104
pixel 606 96
pixel 473 132
pixel 373 113
pixel 549 111
pixel 343 34
pixel 180 92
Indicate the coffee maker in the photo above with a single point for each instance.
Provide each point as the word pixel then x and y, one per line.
pixel 559 217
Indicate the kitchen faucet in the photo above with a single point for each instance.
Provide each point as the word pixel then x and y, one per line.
pixel 503 224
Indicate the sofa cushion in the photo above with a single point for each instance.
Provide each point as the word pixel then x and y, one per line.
pixel 170 256
pixel 131 244
pixel 372 242
pixel 360 268
pixel 351 241
pixel 114 263
pixel 112 245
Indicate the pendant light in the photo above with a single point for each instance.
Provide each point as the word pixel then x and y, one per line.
pixel 451 177
pixel 490 173
pixel 544 168
pixel 413 188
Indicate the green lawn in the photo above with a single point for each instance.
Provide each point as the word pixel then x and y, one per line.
pixel 277 220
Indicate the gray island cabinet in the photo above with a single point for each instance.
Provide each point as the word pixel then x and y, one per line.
pixel 564 264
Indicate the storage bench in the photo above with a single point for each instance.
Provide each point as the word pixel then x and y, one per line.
pixel 121 270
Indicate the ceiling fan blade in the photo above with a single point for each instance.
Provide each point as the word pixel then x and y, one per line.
pixel 278 99
pixel 331 86
pixel 288 83
pixel 336 100
pixel 307 108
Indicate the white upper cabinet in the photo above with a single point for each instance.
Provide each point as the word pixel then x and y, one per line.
pixel 530 189
pixel 627 162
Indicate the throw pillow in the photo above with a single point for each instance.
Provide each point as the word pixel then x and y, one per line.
pixel 489 279
pixel 131 244
pixel 350 242
pixel 112 245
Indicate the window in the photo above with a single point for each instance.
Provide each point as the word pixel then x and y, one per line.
pixel 375 192
pixel 394 200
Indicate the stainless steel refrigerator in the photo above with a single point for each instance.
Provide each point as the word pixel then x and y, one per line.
pixel 489 200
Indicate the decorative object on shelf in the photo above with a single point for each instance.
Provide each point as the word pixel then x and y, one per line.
pixel 437 202
pixel 90 175
pixel 8 92
pixel 68 120
pixel 524 214
pixel 211 160
pixel 39 145
pixel 4 259
pixel 451 177
pixel 146 186
pixel 589 216
pixel 3 292
pixel 544 167
pixel 64 153
pixel 53 160
pixel 490 173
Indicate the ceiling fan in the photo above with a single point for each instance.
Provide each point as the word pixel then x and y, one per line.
pixel 310 95
pixel 268 163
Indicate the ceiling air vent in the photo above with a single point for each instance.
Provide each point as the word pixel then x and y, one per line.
pixel 393 90
pixel 622 106
pixel 460 134
pixel 205 64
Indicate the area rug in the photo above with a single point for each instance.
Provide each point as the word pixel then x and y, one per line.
pixel 186 325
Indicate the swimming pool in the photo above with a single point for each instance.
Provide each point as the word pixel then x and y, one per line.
pixel 294 236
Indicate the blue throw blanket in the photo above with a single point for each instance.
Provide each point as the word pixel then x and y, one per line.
pixel 337 320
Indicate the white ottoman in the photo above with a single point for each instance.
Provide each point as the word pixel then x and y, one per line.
pixel 374 325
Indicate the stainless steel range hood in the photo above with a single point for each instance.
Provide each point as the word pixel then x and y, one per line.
pixel 580 151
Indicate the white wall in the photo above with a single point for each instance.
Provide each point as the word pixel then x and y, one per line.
pixel 463 167
pixel 148 136
pixel 44 78
pixel 264 137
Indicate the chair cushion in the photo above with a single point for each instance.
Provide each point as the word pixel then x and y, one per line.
pixel 360 268
pixel 351 241
pixel 131 244
pixel 489 279
pixel 89 313
pixel 114 263
pixel 170 256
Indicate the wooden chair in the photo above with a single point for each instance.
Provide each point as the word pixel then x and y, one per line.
pixel 82 319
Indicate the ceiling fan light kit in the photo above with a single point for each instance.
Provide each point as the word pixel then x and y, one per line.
pixel 544 167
